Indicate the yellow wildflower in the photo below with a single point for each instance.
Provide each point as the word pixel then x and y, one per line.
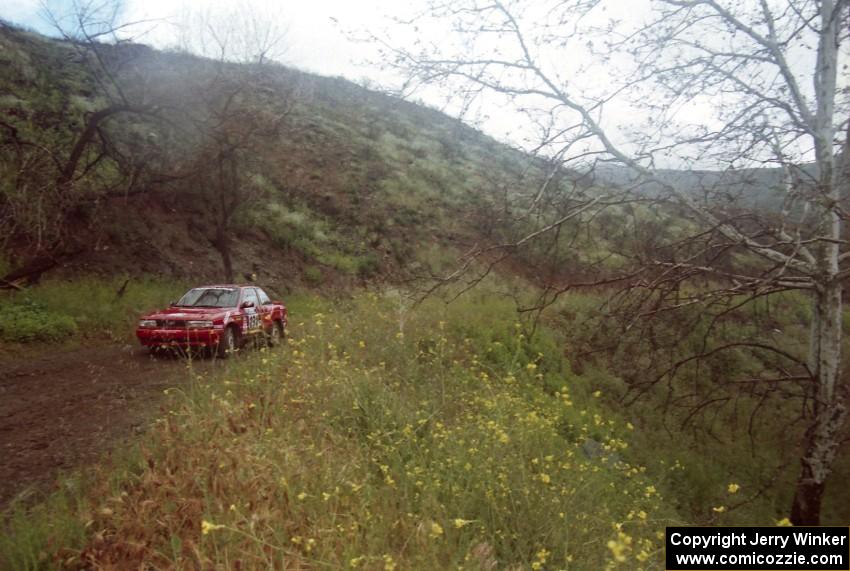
pixel 207 527
pixel 618 550
pixel 733 488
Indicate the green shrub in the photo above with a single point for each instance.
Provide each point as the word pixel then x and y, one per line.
pixel 368 265
pixel 313 275
pixel 341 262
pixel 55 309
pixel 29 321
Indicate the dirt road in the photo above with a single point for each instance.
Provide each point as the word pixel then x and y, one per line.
pixel 65 408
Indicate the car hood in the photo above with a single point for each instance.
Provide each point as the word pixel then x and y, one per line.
pixel 190 313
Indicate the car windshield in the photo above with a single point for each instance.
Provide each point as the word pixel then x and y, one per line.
pixel 209 297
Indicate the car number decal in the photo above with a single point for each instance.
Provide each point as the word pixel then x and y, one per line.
pixel 252 321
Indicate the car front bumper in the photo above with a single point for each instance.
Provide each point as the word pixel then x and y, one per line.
pixel 152 337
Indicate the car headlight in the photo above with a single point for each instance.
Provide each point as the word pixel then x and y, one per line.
pixel 147 323
pixel 199 324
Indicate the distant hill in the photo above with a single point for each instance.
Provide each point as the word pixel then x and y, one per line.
pixel 754 188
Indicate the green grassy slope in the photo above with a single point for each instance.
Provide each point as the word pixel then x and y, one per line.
pixel 357 185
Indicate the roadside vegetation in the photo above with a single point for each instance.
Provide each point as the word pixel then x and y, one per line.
pixel 431 439
pixel 382 437
pixel 91 308
pixel 697 429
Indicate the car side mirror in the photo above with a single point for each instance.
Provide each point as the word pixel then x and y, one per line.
pixel 172 303
pixel 246 304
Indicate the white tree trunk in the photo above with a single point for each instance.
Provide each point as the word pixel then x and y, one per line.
pixel 830 411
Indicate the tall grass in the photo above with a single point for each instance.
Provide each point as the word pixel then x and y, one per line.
pixel 41 536
pixel 381 437
pixel 378 438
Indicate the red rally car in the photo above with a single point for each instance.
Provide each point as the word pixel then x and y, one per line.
pixel 218 317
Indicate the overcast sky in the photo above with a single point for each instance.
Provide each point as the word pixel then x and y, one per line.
pixel 316 29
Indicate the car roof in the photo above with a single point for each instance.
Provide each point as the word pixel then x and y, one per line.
pixel 224 286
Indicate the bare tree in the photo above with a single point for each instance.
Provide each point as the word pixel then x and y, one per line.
pixel 64 158
pixel 234 110
pixel 696 83
pixel 93 29
pixel 249 34
pixel 242 120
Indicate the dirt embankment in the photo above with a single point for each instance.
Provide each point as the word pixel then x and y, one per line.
pixel 64 408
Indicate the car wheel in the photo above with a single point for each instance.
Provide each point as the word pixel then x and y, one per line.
pixel 227 343
pixel 275 334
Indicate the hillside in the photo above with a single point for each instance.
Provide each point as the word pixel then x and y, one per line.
pixel 753 188
pixel 355 184
pixel 352 185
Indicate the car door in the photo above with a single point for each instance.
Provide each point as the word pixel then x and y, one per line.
pixel 266 310
pixel 251 316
